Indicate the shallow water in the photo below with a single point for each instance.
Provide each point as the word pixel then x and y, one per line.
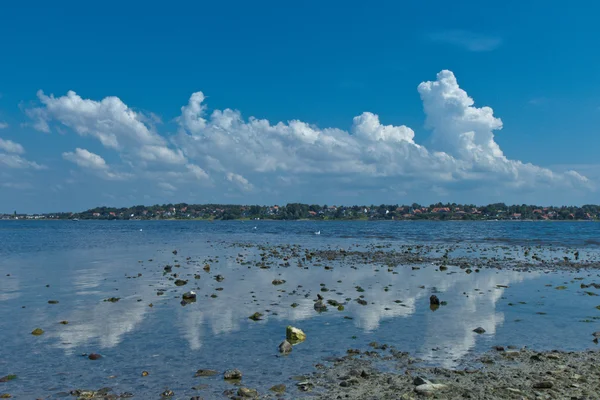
pixel 86 262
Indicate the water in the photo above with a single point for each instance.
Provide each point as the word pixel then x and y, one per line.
pixel 88 261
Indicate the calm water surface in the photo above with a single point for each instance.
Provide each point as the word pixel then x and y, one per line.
pixel 88 261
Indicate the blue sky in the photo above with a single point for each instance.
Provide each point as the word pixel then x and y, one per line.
pixel 375 102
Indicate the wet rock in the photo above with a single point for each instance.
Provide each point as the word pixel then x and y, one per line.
pixel 320 306
pixel 285 347
pixel 294 335
pixel 434 301
pixel 349 382
pixel 5 396
pixel 232 374
pixel 479 330
pixel 167 393
pixel 279 389
pixel 205 372
pixel 168 268
pixel 256 316
pixel 219 278
pixel 191 295
pixel 362 302
pixel 247 393
pixel 175 252
pixel 278 282
pixel 206 268
pixel 8 378
pixel 418 381
pixel 543 385
pixel 197 276
pixel 596 334
pixel 145 373
pixel 112 299
pixel 37 332
pixel 429 389
pixel 94 356
pixel 180 282
pixel 52 301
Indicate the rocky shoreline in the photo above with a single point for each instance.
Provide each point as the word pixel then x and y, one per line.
pixel 500 374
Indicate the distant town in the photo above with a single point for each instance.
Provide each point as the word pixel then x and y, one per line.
pixel 295 211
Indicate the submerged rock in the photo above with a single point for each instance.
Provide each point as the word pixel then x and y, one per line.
pixel 94 356
pixel 180 282
pixel 37 332
pixel 8 378
pixel 232 374
pixel 247 393
pixel 294 335
pixel 205 372
pixel 285 347
pixel 279 389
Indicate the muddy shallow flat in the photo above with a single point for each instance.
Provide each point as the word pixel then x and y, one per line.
pixel 115 298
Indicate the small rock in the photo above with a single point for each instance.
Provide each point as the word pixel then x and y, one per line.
pixel 219 278
pixel 278 388
pixel 285 347
pixel 205 372
pixel 479 330
pixel 320 307
pixel 8 378
pixel 37 332
pixel 434 301
pixel 191 295
pixel 418 381
pixel 256 316
pixel 167 393
pixel 247 393
pixel 94 356
pixel 52 301
pixel 112 299
pixel 65 322
pixel 145 373
pixel 429 389
pixel 232 374
pixel 543 385
pixel 180 282
pixel 278 282
pixel 294 335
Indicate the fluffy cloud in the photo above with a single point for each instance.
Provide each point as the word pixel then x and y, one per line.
pixel 86 159
pixel 370 155
pixel 18 162
pixel 10 157
pixel 110 121
pixel 297 161
pixel 94 162
pixel 11 147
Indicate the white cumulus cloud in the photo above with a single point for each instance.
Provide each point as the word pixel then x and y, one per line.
pixel 94 162
pixel 298 161
pixel 11 147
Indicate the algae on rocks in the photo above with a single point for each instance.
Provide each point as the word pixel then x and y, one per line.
pixel 294 335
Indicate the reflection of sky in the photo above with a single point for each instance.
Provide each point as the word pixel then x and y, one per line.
pixel 448 330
